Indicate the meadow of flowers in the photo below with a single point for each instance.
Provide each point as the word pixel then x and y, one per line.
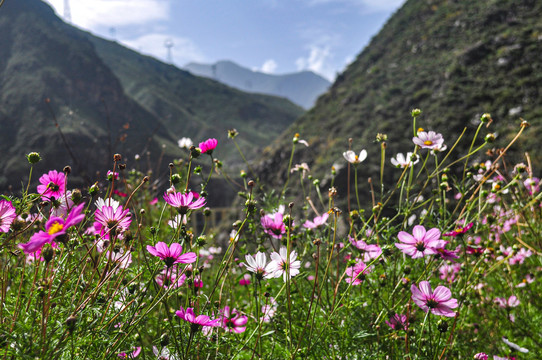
pixel 444 264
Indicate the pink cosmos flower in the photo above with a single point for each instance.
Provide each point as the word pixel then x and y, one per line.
pixel 111 218
pixel 245 280
pixel 196 321
pixel 53 184
pixel 171 278
pixel 273 225
pixel 120 193
pixel 450 255
pixel 112 175
pixel 481 356
pixel 7 215
pixel 370 252
pixel 532 185
pixel 429 140
pixel 133 355
pixel 54 227
pixel 184 202
pixel 233 321
pixel 208 146
pixel 511 302
pixel 153 201
pixel 449 272
pixel 520 256
pixel 318 221
pixel 280 264
pixel 459 230
pixel 421 242
pixel 269 310
pixel 398 322
pixel 357 273
pixel 439 302
pixel 171 255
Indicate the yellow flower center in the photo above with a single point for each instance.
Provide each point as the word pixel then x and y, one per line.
pixel 56 227
pixel 420 130
pixel 428 142
pixel 356 158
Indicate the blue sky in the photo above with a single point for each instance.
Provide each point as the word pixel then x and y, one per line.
pixel 273 36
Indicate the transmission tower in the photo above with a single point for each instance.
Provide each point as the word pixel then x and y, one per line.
pixel 67 11
pixel 169 44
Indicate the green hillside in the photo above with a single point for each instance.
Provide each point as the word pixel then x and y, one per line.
pixel 455 60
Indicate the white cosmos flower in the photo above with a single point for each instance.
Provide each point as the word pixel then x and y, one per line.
pixel 185 143
pixel 257 265
pixel 279 264
pixel 404 161
pixel 352 158
pixel 100 203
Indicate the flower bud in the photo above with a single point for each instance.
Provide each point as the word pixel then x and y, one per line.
pixel 33 158
pixel 489 138
pixel 485 118
pixel 164 340
pixel 175 179
pixel 94 189
pixel 416 112
pixel 195 152
pixel 232 133
pixel 117 157
pixel 77 197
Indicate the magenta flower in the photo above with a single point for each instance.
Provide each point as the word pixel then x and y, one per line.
pixel 280 264
pixel 133 355
pixel 196 321
pixel 232 321
pixel 7 215
pixel 171 255
pixel 481 356
pixel 459 230
pixel 449 272
pixel 111 218
pixel 184 202
pixel 357 273
pixel 208 146
pixel 429 140
pixel 112 175
pixel 54 227
pixel 398 322
pixel 318 221
pixel 439 302
pixel 273 225
pixel 53 184
pixel 245 280
pixel 421 242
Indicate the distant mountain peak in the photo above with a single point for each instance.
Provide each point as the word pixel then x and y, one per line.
pixel 302 88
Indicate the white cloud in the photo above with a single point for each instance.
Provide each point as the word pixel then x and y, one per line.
pixel 91 14
pixel 268 67
pixel 366 6
pixel 182 51
pixel 317 61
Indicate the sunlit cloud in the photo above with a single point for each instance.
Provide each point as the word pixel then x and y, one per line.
pixel 269 67
pixel 91 14
pixel 183 50
pixel 317 61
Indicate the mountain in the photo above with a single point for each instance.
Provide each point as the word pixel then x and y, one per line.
pixel 78 99
pixel 302 88
pixel 453 59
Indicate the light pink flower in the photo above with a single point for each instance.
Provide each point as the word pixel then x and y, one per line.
pixel 53 184
pixel 421 242
pixel 7 215
pixel 318 221
pixel 532 185
pixel 398 322
pixel 208 146
pixel 184 202
pixel 511 302
pixel 171 255
pixel 449 272
pixel 429 140
pixel 402 161
pixel 370 252
pixel 258 265
pixel 171 278
pixel 481 356
pixel 439 302
pixel 110 218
